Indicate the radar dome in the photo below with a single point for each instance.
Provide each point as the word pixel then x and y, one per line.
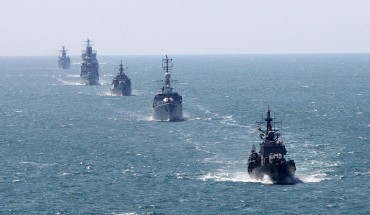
pixel 167 76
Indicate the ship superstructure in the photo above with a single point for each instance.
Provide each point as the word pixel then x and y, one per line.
pixel 64 62
pixel 121 84
pixel 270 160
pixel 89 66
pixel 167 105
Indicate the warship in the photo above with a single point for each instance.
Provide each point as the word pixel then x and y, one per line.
pixel 121 84
pixel 63 61
pixel 270 160
pixel 167 105
pixel 89 66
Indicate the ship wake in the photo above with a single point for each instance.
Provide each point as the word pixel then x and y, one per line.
pixel 234 177
pixel 244 177
pixel 73 83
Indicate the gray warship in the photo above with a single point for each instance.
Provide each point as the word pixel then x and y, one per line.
pixel 89 66
pixel 64 62
pixel 270 160
pixel 167 105
pixel 121 84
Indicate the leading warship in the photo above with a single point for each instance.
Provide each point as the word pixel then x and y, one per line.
pixel 121 84
pixel 89 66
pixel 270 160
pixel 167 105
pixel 64 62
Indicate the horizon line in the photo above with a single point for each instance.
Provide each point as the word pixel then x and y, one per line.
pixel 177 54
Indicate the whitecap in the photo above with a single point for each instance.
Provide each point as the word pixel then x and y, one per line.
pixel 127 213
pixel 235 177
pixel 315 178
pixel 72 83
pixel 72 76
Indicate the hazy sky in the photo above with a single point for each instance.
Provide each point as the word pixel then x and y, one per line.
pixel 120 27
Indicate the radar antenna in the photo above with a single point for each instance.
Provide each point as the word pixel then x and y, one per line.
pixel 270 125
pixel 167 64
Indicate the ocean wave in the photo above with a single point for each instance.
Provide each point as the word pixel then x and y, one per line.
pixel 124 213
pixel 140 117
pixel 234 177
pixel 38 165
pixel 314 178
pixel 64 82
pixel 241 176
pixel 137 92
pixel 72 76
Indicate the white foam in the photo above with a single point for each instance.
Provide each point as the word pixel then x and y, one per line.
pixel 103 83
pixel 315 178
pixel 106 93
pixel 235 177
pixel 69 82
pixel 72 76
pixel 137 92
pixel 128 213
pixel 144 118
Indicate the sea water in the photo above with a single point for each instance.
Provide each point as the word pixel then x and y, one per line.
pixel 66 148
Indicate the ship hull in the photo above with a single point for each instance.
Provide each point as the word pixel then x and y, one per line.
pixel 89 79
pixel 89 73
pixel 121 90
pixel 168 112
pixel 279 174
pixel 64 64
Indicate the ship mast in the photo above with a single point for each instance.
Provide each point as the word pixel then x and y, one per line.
pixel 268 120
pixel 88 50
pixel 64 51
pixel 121 68
pixel 167 66
pixel 271 133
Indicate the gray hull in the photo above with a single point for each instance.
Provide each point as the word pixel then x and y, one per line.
pixel 279 174
pixel 168 112
pixel 89 79
pixel 121 90
pixel 64 64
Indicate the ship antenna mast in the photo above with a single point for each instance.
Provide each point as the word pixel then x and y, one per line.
pixel 121 68
pixel 268 120
pixel 64 51
pixel 167 64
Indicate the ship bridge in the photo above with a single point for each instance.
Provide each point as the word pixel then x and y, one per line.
pixel 272 148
